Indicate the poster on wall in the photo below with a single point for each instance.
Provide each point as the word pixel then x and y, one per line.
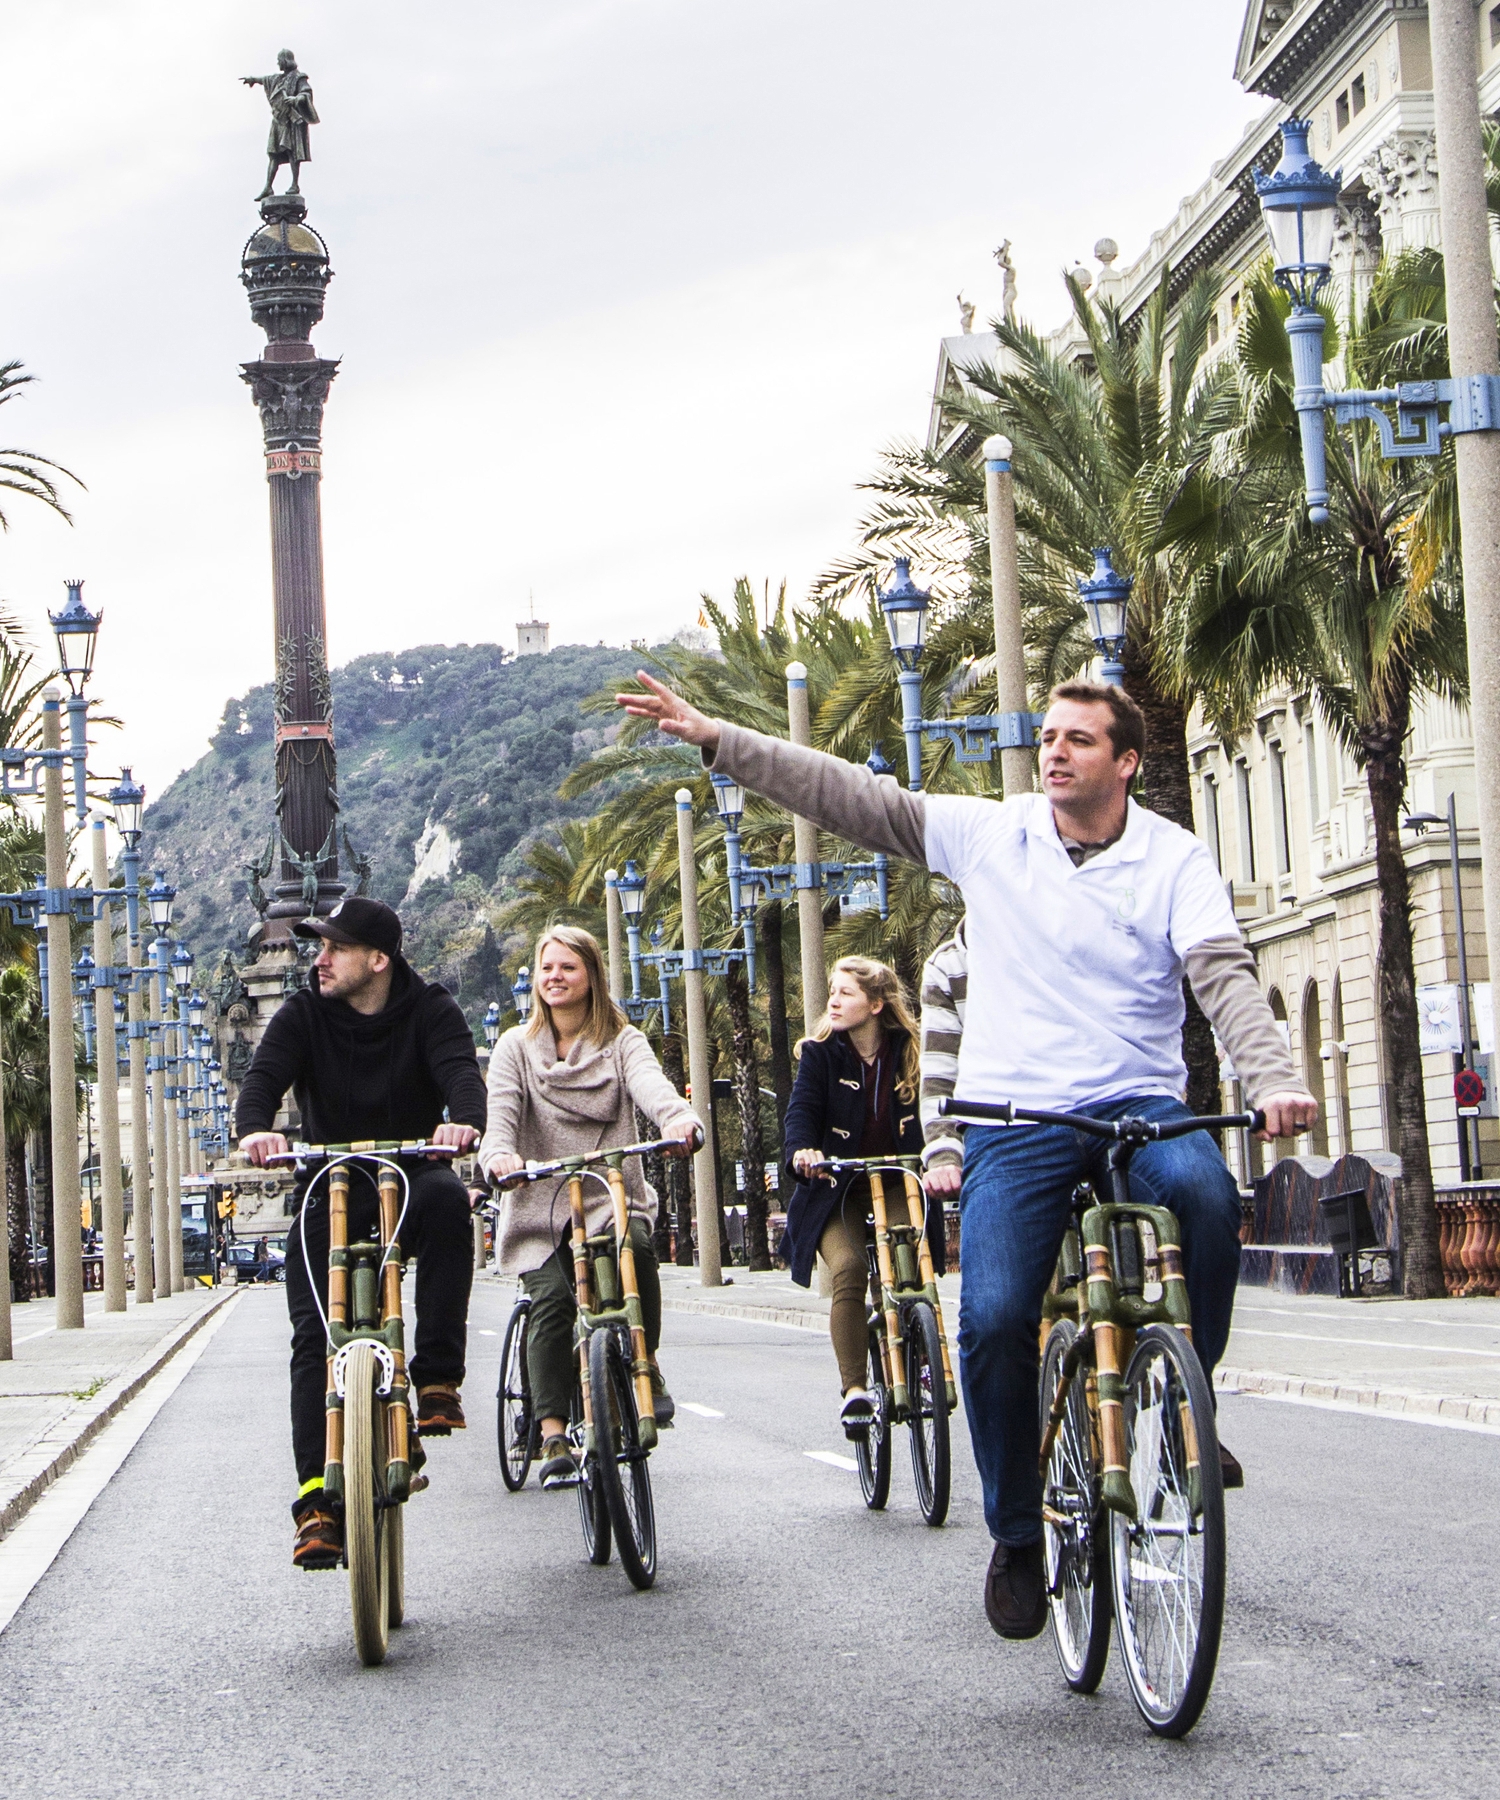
pixel 1437 1013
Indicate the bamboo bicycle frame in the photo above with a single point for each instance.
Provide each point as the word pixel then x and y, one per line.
pixel 904 1267
pixel 353 1274
pixel 594 1305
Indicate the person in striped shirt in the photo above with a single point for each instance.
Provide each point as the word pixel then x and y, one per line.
pixel 945 992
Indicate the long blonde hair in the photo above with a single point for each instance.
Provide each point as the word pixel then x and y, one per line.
pixel 878 982
pixel 605 1020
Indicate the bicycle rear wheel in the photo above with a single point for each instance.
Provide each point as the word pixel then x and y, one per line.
pixel 927 1403
pixel 364 1512
pixel 515 1423
pixel 872 1448
pixel 1074 1537
pixel 624 1470
pixel 1168 1564
pixel 593 1512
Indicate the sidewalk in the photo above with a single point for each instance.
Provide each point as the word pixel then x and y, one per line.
pixel 1423 1357
pixel 63 1387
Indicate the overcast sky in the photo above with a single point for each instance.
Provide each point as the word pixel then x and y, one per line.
pixel 629 293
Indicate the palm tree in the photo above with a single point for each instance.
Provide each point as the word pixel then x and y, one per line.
pixel 1349 611
pixel 26 1092
pixel 1111 447
pixel 23 471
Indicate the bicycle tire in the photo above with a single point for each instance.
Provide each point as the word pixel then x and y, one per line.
pixel 1075 1556
pixel 624 1467
pixel 927 1412
pixel 593 1512
pixel 395 1553
pixel 515 1424
pixel 364 1490
pixel 1168 1564
pixel 872 1448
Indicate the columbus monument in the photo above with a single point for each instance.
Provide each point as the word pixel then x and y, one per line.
pixel 285 271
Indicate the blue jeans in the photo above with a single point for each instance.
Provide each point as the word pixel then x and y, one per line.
pixel 1015 1207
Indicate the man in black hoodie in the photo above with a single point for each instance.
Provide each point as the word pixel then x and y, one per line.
pixel 370 1051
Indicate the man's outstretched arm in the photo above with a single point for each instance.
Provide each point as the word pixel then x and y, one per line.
pixel 871 810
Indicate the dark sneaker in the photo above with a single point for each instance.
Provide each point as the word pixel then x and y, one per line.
pixel 857 1413
pixel 1015 1590
pixel 439 1410
pixel 1234 1474
pixel 559 1466
pixel 663 1406
pixel 320 1533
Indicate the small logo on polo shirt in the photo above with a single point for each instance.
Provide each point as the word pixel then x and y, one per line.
pixel 1126 906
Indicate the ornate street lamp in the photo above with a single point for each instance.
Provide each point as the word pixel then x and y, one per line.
pixel 196 1007
pixel 905 607
pixel 128 798
pixel 521 992
pixel 182 971
pixel 159 898
pixel 77 632
pixel 492 1024
pixel 1299 200
pixel 1106 595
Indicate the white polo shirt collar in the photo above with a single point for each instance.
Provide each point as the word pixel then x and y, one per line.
pixel 1130 846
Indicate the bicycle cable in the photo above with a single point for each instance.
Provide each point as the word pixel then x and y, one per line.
pixel 327 1169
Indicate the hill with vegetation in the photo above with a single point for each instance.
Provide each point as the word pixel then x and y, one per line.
pixel 450 760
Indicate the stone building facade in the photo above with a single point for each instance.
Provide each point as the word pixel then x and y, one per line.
pixel 1285 811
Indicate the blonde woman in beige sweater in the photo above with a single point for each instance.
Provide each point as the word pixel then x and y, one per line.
pixel 569 1081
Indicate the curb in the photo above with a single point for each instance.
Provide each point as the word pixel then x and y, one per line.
pixel 795 1318
pixel 37 1468
pixel 1354 1395
pixel 1360 1397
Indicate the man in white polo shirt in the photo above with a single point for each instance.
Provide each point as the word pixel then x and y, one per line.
pixel 1085 912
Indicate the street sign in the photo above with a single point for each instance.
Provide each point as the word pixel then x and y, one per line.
pixel 1468 1092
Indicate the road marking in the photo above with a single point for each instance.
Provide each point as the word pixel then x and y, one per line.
pixel 1296 1312
pixel 703 1412
pixel 27 1552
pixel 1370 1412
pixel 1317 1337
pixel 489 1334
pixel 833 1460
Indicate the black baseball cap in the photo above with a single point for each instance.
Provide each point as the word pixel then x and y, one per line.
pixel 357 921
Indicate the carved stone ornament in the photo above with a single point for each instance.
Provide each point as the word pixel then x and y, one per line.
pixel 290 397
pixel 1402 173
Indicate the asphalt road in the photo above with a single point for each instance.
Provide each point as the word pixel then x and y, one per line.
pixel 793 1645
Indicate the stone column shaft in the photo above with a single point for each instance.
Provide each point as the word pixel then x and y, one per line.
pixel 67 1217
pixel 112 1195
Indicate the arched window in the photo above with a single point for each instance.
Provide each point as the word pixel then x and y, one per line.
pixel 1313 1065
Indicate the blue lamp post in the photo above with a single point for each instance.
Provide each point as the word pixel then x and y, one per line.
pixel 1299 200
pixel 492 1024
pixel 521 992
pixel 77 632
pixel 1106 594
pixel 975 736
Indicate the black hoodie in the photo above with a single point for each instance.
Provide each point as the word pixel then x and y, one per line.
pixel 358 1076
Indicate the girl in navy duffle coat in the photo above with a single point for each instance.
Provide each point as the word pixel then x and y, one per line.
pixel 855 1095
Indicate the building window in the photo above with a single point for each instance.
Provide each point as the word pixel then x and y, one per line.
pixel 1357 93
pixel 1279 825
pixel 1211 820
pixel 1310 754
pixel 1341 110
pixel 1213 328
pixel 1494 26
pixel 1247 823
pixel 1234 306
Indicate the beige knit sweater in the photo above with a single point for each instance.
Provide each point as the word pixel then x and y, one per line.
pixel 542 1109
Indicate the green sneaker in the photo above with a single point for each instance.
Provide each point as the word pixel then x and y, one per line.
pixel 663 1406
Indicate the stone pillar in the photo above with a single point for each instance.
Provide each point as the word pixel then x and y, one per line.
pixel 67 1219
pixel 140 1135
pixel 809 878
pixel 109 1092
pixel 695 1008
pixel 285 269
pixel 1401 175
pixel 1356 255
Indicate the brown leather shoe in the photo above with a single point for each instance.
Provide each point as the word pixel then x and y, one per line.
pixel 1234 1474
pixel 439 1410
pixel 1015 1590
pixel 320 1534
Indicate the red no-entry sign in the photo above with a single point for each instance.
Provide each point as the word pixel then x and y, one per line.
pixel 1468 1091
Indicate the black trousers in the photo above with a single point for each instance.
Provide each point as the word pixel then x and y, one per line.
pixel 438 1234
pixel 551 1360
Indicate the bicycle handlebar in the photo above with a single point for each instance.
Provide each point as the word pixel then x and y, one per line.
pixel 1005 1113
pixel 575 1165
pixel 391 1151
pixel 863 1165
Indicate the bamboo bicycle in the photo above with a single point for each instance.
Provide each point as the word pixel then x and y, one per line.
pixel 613 1422
pixel 368 1465
pixel 1133 1492
pixel 911 1377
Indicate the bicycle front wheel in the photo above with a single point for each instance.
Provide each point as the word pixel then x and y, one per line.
pixel 515 1423
pixel 1168 1563
pixel 364 1508
pixel 872 1448
pixel 1074 1537
pixel 927 1403
pixel 624 1470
